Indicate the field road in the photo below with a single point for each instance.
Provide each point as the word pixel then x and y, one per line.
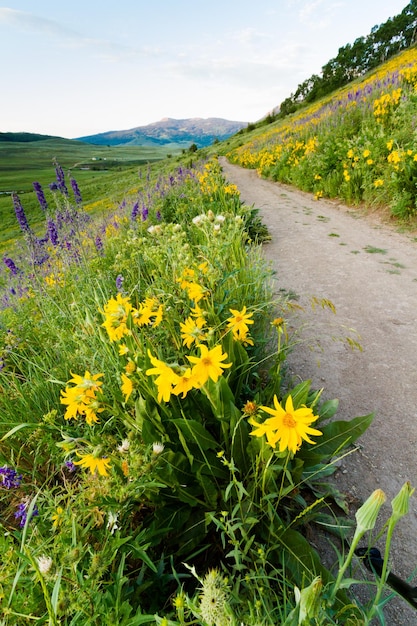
pixel 368 271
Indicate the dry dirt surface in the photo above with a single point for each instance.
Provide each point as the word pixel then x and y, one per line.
pixel 368 271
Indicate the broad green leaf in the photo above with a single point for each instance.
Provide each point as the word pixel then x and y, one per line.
pixel 195 432
pixel 340 434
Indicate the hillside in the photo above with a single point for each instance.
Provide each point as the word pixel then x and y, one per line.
pixel 169 131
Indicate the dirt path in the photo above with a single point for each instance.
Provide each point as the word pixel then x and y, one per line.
pixel 369 272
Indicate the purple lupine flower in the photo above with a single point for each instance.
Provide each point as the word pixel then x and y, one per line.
pixel 40 195
pixel 53 186
pixel 53 232
pixel 76 190
pixel 99 244
pixel 20 213
pixel 60 179
pixel 11 265
pixel 119 282
pixel 158 216
pixel 145 213
pixel 9 478
pixel 135 211
pixel 21 513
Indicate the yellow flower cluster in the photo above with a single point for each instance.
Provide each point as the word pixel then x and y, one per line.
pixel 386 103
pixel 209 365
pixel 118 310
pixel 81 399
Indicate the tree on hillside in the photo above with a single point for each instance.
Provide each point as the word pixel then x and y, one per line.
pixel 353 60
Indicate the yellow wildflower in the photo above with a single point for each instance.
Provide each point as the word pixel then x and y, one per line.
pixel 57 517
pixel 191 331
pixel 238 323
pixel 116 313
pixel 81 399
pixel 127 387
pixel 209 364
pixel 94 464
pixel 166 380
pixel 185 382
pixel 287 426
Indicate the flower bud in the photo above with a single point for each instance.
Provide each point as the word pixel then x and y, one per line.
pixel 401 501
pixel 367 514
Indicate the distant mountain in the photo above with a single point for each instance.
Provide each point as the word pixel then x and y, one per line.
pixel 168 131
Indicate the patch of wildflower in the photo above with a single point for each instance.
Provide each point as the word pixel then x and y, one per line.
pixel 386 103
pixel 81 399
pixel 188 282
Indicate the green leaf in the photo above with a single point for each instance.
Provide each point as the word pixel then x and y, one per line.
pixel 328 409
pixel 340 434
pixel 196 433
pixel 299 394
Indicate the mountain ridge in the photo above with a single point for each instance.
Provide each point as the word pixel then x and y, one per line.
pixel 181 132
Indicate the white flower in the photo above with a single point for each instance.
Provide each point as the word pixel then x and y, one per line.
pixel 125 445
pixel 112 522
pixel 157 447
pixel 198 219
pixel 220 218
pixel 216 227
pixel 44 564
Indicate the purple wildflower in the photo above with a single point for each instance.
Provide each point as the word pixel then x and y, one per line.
pixel 71 467
pixel 53 186
pixel 40 195
pixel 119 282
pixel 135 211
pixel 20 213
pixel 22 512
pixel 158 216
pixel 53 232
pixel 145 212
pixel 11 265
pixel 9 477
pixel 99 244
pixel 76 190
pixel 60 178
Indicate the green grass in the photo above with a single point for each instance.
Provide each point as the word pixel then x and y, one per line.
pixel 101 172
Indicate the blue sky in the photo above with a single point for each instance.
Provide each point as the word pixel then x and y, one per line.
pixel 83 67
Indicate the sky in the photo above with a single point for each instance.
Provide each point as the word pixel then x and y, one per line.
pixel 84 67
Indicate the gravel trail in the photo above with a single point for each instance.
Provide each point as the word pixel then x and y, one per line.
pixel 368 271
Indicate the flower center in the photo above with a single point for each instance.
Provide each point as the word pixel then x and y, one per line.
pixel 206 362
pixel 289 421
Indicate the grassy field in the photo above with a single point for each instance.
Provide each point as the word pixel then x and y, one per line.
pixel 97 169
